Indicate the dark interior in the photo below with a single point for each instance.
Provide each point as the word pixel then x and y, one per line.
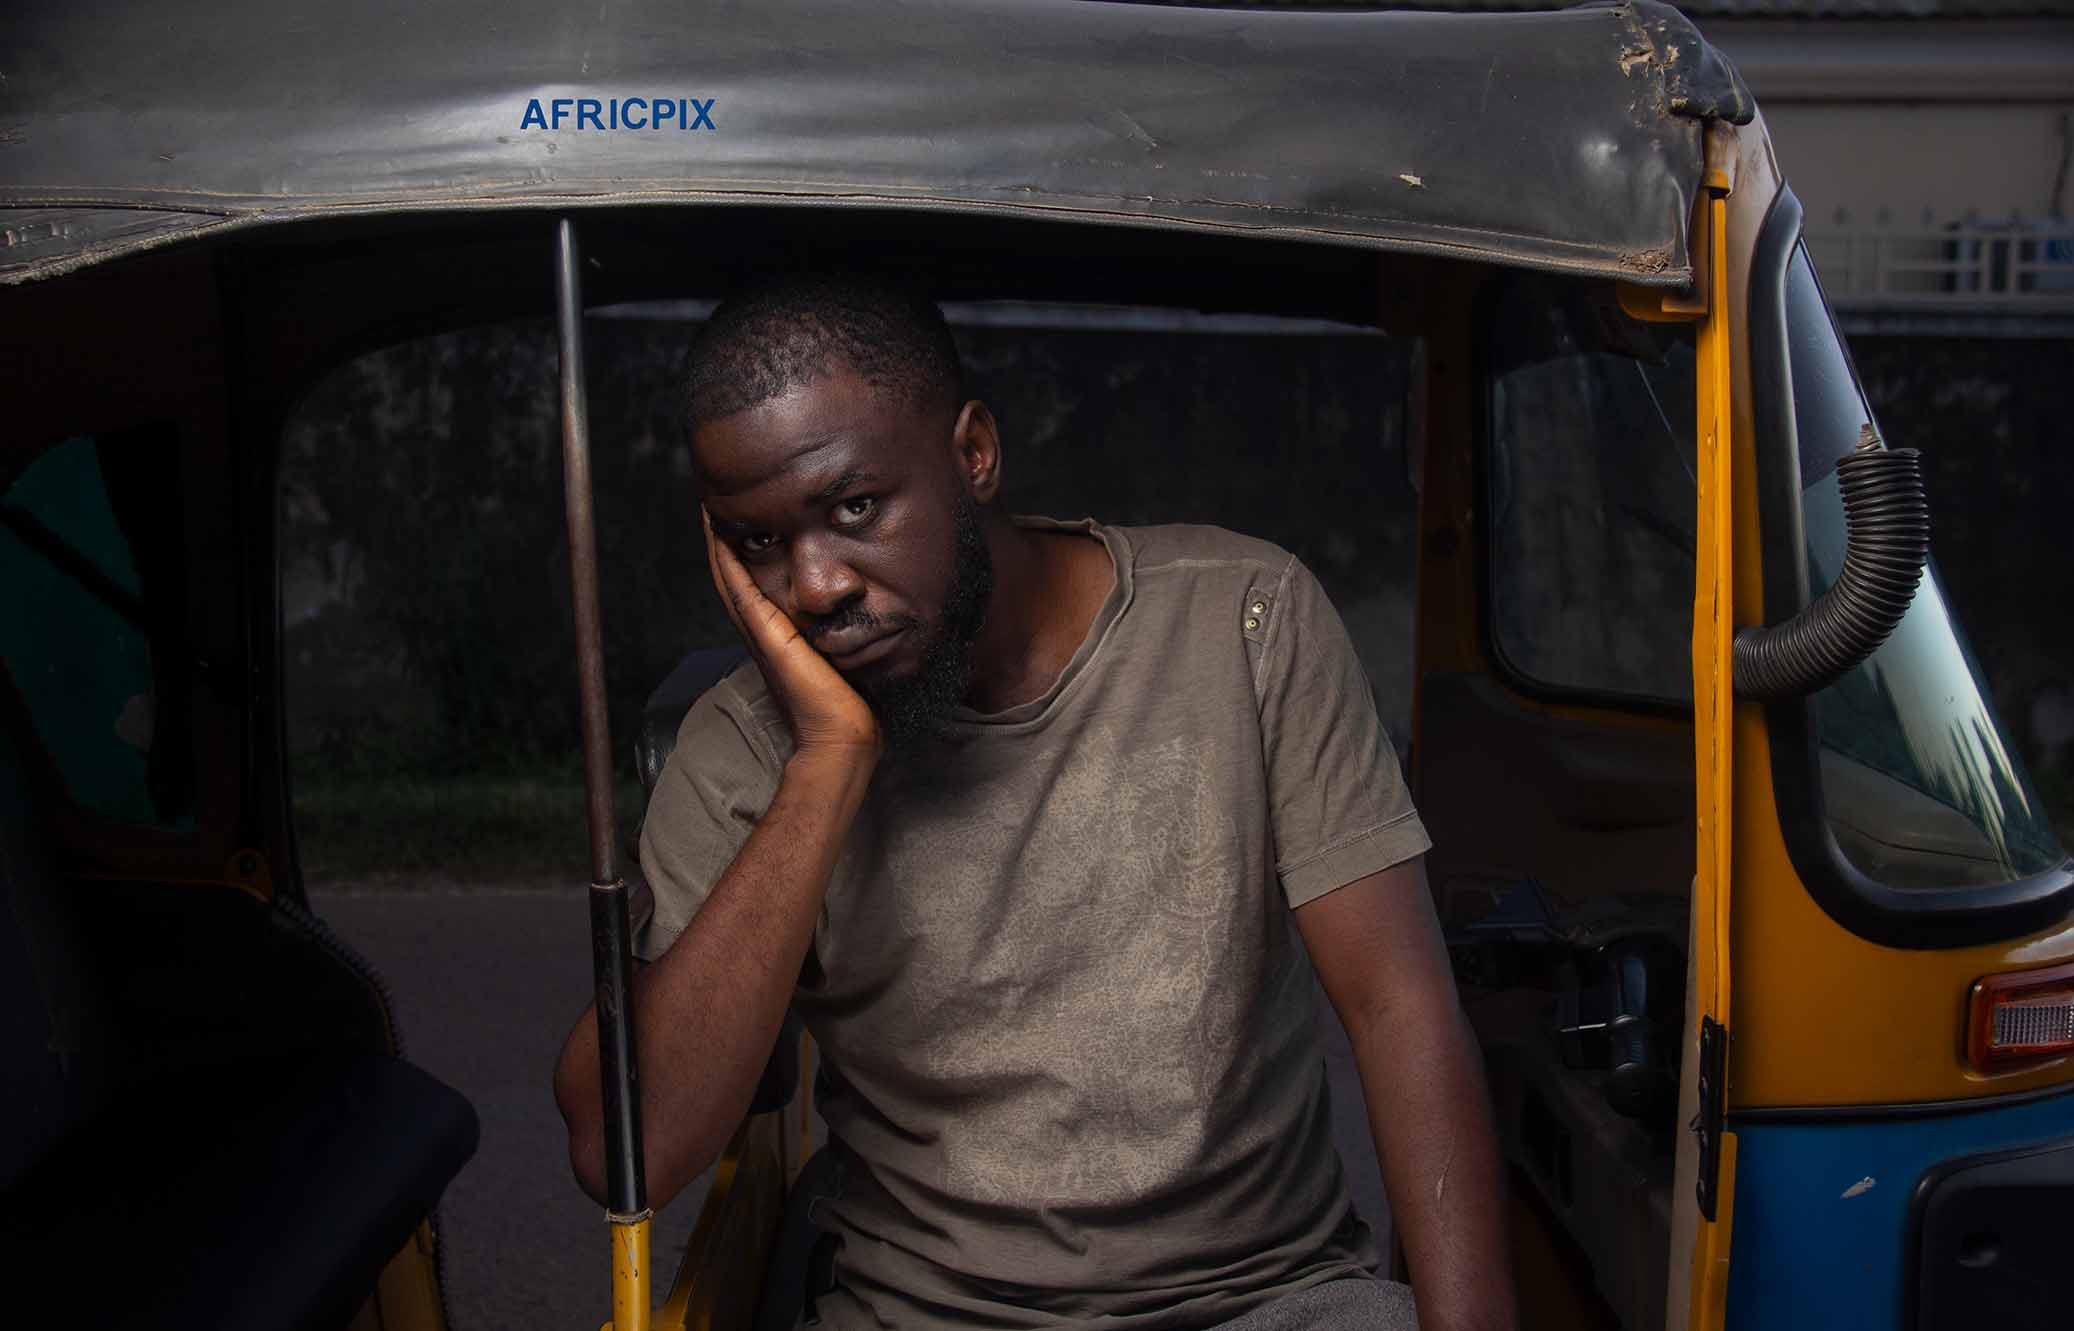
pixel 206 1107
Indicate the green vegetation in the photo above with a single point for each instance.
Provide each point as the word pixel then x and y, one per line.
pixel 431 683
pixel 471 827
pixel 430 660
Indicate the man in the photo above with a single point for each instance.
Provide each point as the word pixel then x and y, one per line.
pixel 1034 822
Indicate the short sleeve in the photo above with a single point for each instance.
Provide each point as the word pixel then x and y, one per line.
pixel 719 780
pixel 1340 807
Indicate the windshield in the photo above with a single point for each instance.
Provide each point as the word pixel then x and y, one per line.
pixel 1919 785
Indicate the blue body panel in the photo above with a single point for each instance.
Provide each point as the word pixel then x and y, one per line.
pixel 1821 1208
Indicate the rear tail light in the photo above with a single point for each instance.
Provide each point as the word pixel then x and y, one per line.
pixel 2021 1016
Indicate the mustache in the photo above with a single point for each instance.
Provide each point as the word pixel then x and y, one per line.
pixel 852 617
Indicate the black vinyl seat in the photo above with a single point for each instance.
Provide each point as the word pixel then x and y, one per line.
pixel 663 713
pixel 201 1124
pixel 262 1194
pixel 802 1260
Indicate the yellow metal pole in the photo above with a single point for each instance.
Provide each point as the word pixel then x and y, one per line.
pixel 1713 636
pixel 630 1278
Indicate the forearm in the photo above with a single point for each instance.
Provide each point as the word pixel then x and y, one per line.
pixel 1430 1114
pixel 708 1011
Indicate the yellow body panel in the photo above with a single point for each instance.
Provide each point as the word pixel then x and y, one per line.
pixel 721 1278
pixel 406 1296
pixel 1838 1020
pixel 246 871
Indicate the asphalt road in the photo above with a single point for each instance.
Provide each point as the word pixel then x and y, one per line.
pixel 487 982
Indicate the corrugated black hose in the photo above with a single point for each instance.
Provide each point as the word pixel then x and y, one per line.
pixel 1886 540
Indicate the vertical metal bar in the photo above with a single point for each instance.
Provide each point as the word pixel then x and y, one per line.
pixel 626 1188
pixel 583 551
pixel 611 942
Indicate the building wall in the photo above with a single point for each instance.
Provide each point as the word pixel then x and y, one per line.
pixel 1907 117
pixel 1854 164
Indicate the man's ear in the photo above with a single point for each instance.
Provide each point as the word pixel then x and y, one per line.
pixel 976 445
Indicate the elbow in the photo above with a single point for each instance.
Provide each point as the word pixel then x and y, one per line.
pixel 576 1096
pixel 587 1162
pixel 670 1159
pixel 663 1179
pixel 584 1117
pixel 586 1146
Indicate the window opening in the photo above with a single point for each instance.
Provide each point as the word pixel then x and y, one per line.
pixel 1591 495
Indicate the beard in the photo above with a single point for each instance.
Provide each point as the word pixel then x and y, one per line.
pixel 909 709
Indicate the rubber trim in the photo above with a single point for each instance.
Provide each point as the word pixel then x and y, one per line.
pixel 1878 1113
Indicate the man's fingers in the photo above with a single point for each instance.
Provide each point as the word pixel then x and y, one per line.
pixel 777 625
pixel 821 707
pixel 767 628
pixel 719 559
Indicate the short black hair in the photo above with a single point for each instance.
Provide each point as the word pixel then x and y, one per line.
pixel 782 332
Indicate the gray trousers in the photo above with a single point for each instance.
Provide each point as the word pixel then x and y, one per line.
pixel 1336 1305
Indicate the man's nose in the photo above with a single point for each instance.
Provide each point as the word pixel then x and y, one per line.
pixel 821 582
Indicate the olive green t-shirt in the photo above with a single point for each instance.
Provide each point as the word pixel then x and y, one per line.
pixel 1065 1012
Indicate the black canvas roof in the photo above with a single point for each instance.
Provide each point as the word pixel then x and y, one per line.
pixel 1702 9
pixel 1563 139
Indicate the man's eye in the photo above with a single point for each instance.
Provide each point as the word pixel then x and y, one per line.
pixel 757 543
pixel 854 512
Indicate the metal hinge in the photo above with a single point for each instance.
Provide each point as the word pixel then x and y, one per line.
pixel 1713 1098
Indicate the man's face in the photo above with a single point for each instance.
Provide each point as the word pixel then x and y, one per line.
pixel 847 506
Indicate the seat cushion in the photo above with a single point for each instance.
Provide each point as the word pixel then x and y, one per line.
pixel 792 1276
pixel 266 1193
